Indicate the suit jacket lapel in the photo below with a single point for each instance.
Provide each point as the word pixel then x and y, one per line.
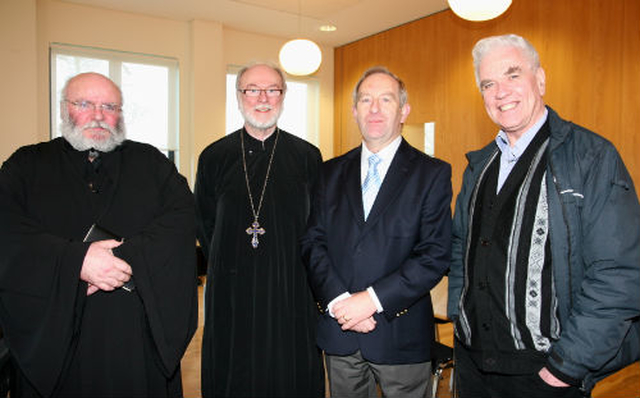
pixel 396 178
pixel 351 183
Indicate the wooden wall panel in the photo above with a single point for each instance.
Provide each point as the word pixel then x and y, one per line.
pixel 589 49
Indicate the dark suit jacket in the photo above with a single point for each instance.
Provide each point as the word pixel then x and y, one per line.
pixel 402 250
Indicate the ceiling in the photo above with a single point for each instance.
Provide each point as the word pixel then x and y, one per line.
pixel 290 19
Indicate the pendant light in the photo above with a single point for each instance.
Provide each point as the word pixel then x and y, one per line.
pixel 300 57
pixel 479 10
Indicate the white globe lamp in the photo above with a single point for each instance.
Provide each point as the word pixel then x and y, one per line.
pixel 479 10
pixel 300 57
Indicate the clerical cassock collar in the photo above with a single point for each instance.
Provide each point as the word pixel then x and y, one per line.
pixel 86 169
pixel 253 144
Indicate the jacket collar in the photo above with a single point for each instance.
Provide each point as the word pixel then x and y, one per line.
pixel 559 128
pixel 559 132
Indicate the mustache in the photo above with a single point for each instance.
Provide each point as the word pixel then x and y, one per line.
pixel 111 136
pixel 98 124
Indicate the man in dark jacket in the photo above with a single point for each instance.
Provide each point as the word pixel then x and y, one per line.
pixel 378 240
pixel 545 269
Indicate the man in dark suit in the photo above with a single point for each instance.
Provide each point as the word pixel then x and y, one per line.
pixel 378 240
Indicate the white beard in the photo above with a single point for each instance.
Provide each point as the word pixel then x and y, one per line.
pixel 267 124
pixel 74 135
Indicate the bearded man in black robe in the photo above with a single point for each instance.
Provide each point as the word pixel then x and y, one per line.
pixel 252 198
pixel 106 313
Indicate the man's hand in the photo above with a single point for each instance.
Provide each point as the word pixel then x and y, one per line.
pixel 365 326
pixel 355 309
pixel 91 289
pixel 550 379
pixel 101 269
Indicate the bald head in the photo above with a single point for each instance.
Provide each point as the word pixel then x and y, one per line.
pixel 91 81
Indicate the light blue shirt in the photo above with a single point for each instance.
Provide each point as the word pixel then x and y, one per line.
pixel 511 154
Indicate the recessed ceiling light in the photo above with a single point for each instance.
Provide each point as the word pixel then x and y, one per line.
pixel 328 28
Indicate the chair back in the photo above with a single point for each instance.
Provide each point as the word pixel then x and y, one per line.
pixel 439 296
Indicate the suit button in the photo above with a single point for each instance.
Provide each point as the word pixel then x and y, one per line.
pixel 486 326
pixel 485 242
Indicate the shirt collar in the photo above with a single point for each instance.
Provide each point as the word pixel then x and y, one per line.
pixel 514 153
pixel 386 154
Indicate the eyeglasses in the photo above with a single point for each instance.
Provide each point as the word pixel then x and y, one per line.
pixel 88 106
pixel 255 92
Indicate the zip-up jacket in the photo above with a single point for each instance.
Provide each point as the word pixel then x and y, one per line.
pixel 594 233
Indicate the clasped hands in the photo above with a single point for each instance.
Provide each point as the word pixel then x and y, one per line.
pixel 355 313
pixel 102 270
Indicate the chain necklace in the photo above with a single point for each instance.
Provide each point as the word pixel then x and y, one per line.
pixel 255 229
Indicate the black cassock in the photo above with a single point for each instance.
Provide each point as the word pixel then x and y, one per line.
pixel 109 344
pixel 260 317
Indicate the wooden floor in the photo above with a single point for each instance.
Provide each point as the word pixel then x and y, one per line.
pixel 624 384
pixel 191 359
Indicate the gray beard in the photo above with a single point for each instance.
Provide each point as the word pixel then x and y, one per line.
pixel 74 136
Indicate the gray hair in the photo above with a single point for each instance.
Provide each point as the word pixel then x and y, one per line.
pixel 488 44
pixel 269 65
pixel 403 96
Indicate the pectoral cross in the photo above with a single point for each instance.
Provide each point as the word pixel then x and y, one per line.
pixel 255 229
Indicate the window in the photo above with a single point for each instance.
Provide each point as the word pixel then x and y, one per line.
pixel 299 116
pixel 149 86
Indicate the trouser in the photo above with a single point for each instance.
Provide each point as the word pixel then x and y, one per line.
pixel 352 376
pixel 471 382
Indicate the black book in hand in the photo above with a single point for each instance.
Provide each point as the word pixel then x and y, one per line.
pixel 97 233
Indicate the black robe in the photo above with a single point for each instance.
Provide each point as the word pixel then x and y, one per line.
pixel 260 317
pixel 109 344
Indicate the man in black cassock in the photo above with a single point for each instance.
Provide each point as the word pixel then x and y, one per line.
pixel 71 327
pixel 252 198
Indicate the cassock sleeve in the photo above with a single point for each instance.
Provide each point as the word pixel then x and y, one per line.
pixel 162 257
pixel 205 197
pixel 40 288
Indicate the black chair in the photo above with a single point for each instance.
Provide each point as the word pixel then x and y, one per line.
pixel 441 354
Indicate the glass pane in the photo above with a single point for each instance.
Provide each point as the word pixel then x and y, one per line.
pixel 234 119
pixel 294 116
pixel 146 92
